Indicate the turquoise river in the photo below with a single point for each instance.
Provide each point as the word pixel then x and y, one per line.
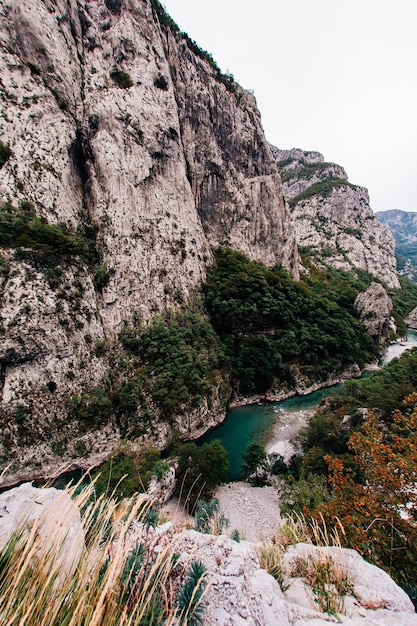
pixel 275 424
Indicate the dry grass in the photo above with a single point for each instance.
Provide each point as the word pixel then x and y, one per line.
pixel 270 559
pixel 125 576
pixel 328 579
pixel 326 576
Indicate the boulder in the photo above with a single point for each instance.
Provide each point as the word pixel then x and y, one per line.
pixel 372 597
pixel 239 592
pixel 374 307
pixel 49 513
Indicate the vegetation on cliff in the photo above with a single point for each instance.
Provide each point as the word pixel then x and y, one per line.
pixel 322 188
pixel 272 327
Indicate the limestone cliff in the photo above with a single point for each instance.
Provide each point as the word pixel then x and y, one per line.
pixel 118 131
pixel 333 218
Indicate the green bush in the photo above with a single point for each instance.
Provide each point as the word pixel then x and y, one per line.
pixel 21 228
pixel 322 188
pixel 161 82
pixel 208 518
pixel 121 78
pixel 191 594
pixel 181 360
pixel 269 324
pixel 124 475
pixel 5 153
pixel 92 409
pixel 328 431
pixel 200 471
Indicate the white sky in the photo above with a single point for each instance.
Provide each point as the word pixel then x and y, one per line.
pixel 337 76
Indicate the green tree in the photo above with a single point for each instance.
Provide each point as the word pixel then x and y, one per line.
pixel 255 458
pixel 200 471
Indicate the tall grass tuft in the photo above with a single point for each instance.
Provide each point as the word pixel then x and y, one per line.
pixel 124 576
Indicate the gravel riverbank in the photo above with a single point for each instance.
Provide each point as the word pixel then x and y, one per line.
pixel 253 511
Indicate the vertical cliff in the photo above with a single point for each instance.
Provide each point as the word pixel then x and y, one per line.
pixel 125 158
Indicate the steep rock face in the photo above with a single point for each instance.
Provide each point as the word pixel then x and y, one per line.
pixel 374 307
pixel 116 129
pixel 403 226
pixel 333 217
pixel 232 173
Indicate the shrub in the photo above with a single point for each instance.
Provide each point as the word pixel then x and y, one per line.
pixel 322 188
pixel 191 595
pixel 5 153
pixel 378 508
pixel 270 559
pixel 199 471
pixel 161 82
pixel 181 359
pixel 208 517
pixel 101 276
pixel 270 325
pixel 121 78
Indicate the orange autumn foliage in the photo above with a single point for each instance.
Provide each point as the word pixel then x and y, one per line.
pixel 379 513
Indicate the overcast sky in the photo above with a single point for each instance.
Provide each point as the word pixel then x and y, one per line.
pixel 337 76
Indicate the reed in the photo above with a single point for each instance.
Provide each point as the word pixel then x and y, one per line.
pixel 126 574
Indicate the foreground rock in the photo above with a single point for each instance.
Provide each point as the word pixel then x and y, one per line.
pixel 239 591
pixel 372 596
pixel 51 514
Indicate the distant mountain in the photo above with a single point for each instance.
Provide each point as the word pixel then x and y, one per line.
pixel 403 226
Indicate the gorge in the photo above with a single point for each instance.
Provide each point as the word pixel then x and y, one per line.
pixel 133 175
pixel 160 263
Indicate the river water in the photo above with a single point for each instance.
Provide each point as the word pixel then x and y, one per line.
pixel 275 424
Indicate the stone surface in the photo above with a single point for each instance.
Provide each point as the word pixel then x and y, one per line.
pixel 374 307
pixel 161 490
pixel 53 514
pixel 239 592
pixel 375 597
pixel 338 222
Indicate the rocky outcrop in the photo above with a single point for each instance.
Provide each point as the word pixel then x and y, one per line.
pixel 240 592
pixel 374 307
pixel 332 217
pixel 116 128
pixel 370 595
